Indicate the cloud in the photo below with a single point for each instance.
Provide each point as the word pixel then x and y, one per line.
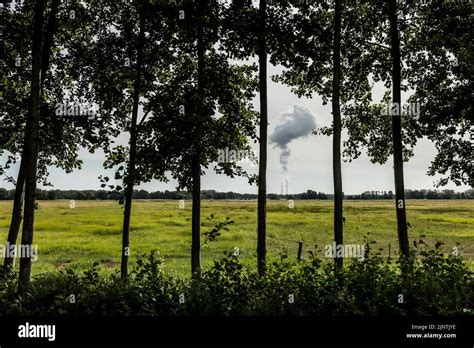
pixel 298 123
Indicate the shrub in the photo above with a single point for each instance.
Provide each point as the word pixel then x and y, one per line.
pixel 430 283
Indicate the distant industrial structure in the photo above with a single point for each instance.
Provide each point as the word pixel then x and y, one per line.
pixel 284 187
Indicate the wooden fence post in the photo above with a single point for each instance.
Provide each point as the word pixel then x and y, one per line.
pixel 300 251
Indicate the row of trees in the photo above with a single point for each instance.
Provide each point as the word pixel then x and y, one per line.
pixel 213 194
pixel 177 79
pixel 416 194
pixel 144 194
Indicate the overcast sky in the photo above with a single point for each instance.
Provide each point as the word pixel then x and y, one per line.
pixel 309 163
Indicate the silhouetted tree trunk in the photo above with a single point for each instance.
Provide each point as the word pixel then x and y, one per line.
pixel 397 131
pixel 51 29
pixel 336 112
pixel 130 179
pixel 262 165
pixel 196 219
pixel 15 223
pixel 31 148
pixel 16 213
pixel 196 159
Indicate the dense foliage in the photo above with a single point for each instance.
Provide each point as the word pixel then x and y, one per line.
pixel 433 284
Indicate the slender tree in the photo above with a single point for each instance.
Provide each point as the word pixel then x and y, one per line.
pixel 196 157
pixel 407 34
pixel 397 130
pixel 31 147
pixel 130 178
pixel 109 59
pixel 336 112
pixel 18 198
pixel 55 140
pixel 203 105
pixel 262 164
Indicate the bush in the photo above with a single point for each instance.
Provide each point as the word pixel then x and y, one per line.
pixel 431 284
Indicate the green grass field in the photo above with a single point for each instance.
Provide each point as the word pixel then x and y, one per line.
pixel 92 230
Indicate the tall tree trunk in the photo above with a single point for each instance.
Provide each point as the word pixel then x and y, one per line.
pixel 196 158
pixel 397 131
pixel 336 145
pixel 31 148
pixel 196 219
pixel 16 214
pixel 51 29
pixel 130 179
pixel 20 183
pixel 262 164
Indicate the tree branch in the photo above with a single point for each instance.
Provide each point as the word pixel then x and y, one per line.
pixel 377 44
pixel 143 120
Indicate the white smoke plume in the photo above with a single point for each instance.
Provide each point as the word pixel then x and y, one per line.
pixel 297 123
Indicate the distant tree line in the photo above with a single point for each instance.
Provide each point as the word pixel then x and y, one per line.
pixel 416 194
pixel 213 194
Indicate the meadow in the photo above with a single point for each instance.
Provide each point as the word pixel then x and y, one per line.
pixel 75 237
